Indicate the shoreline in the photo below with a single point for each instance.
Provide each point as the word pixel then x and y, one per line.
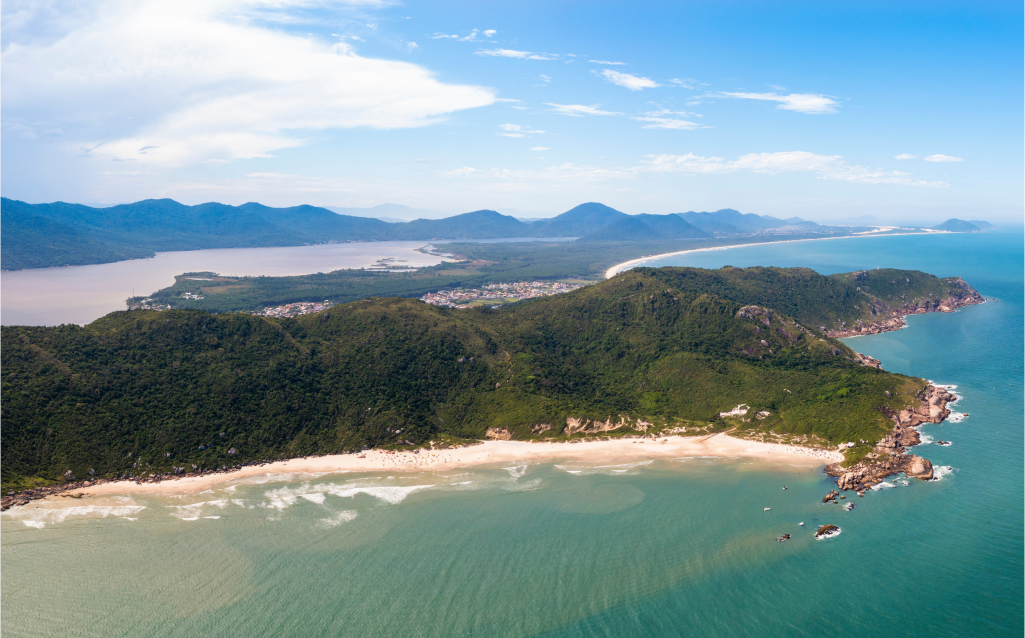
pixel 486 453
pixel 633 263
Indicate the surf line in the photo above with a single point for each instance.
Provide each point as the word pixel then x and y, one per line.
pixel 633 263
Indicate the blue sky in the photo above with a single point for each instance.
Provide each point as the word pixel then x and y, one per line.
pixel 908 111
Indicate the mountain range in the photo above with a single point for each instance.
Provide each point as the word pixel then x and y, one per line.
pixel 61 234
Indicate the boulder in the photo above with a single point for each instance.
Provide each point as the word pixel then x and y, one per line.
pixel 919 468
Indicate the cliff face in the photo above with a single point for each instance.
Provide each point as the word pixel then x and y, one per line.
pixel 889 456
pixel 889 314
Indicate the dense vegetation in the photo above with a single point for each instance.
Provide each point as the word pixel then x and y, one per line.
pixel 143 391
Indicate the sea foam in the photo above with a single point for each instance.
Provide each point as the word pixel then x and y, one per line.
pixel 41 517
pixel 616 469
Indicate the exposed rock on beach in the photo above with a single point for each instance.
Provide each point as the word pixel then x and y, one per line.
pixel 890 455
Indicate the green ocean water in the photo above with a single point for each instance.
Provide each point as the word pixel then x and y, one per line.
pixel 665 548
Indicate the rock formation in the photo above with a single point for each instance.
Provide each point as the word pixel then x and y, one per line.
pixel 889 456
pixel 893 318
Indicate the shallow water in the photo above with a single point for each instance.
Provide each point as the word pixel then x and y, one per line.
pixel 667 548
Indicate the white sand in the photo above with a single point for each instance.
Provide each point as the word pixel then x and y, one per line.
pixel 492 452
pixel 626 265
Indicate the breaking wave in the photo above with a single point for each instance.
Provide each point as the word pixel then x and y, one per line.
pixel 41 517
pixel 620 468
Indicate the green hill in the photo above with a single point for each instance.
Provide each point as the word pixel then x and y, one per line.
pixel 955 225
pixel 142 392
pixel 647 228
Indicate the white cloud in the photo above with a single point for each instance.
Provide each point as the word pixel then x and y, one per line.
pixel 517 130
pixel 801 102
pixel 668 123
pixel 579 110
pixel 545 79
pixel 632 82
pixel 830 167
pixel 606 62
pixel 195 81
pixel 540 148
pixel 412 45
pixel 905 156
pixel 511 53
pixel 942 158
pixel 472 37
pixel 465 171
pixel 490 33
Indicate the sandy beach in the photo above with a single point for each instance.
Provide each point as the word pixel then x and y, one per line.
pixel 487 453
pixel 626 265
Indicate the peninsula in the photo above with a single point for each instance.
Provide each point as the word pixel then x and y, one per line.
pixel 651 353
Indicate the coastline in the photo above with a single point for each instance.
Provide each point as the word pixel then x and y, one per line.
pixel 626 265
pixel 485 453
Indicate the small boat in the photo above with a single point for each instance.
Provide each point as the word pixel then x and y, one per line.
pixel 766 509
pixel 784 487
pixel 801 523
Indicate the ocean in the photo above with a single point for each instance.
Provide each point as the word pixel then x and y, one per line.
pixel 663 548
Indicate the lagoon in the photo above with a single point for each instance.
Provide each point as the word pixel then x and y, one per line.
pixel 81 294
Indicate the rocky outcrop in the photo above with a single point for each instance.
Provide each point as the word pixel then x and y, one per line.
pixel 498 434
pixel 586 426
pixel 893 318
pixel 890 455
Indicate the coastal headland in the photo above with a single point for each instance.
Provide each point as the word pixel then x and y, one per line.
pixel 650 354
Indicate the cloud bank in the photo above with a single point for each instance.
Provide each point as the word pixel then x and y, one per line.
pixel 189 82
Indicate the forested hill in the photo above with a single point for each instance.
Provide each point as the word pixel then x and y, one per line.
pixel 142 392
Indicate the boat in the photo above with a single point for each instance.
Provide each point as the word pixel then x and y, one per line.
pixel 766 509
pixel 801 523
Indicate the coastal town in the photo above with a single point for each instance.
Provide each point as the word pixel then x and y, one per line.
pixel 497 294
pixel 294 309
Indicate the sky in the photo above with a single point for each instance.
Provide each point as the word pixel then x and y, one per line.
pixel 910 111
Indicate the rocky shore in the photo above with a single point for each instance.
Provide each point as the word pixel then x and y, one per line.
pixel 889 456
pixel 893 318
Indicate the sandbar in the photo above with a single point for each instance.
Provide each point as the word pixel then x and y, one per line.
pixel 626 265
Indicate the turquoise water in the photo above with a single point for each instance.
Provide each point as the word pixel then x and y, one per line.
pixel 666 548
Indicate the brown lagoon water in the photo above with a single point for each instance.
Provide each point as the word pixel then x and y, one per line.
pixel 81 294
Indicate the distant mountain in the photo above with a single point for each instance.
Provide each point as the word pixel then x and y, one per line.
pixel 59 234
pixel 481 224
pixel 983 225
pixel 732 222
pixel 955 225
pixel 579 221
pixel 647 228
